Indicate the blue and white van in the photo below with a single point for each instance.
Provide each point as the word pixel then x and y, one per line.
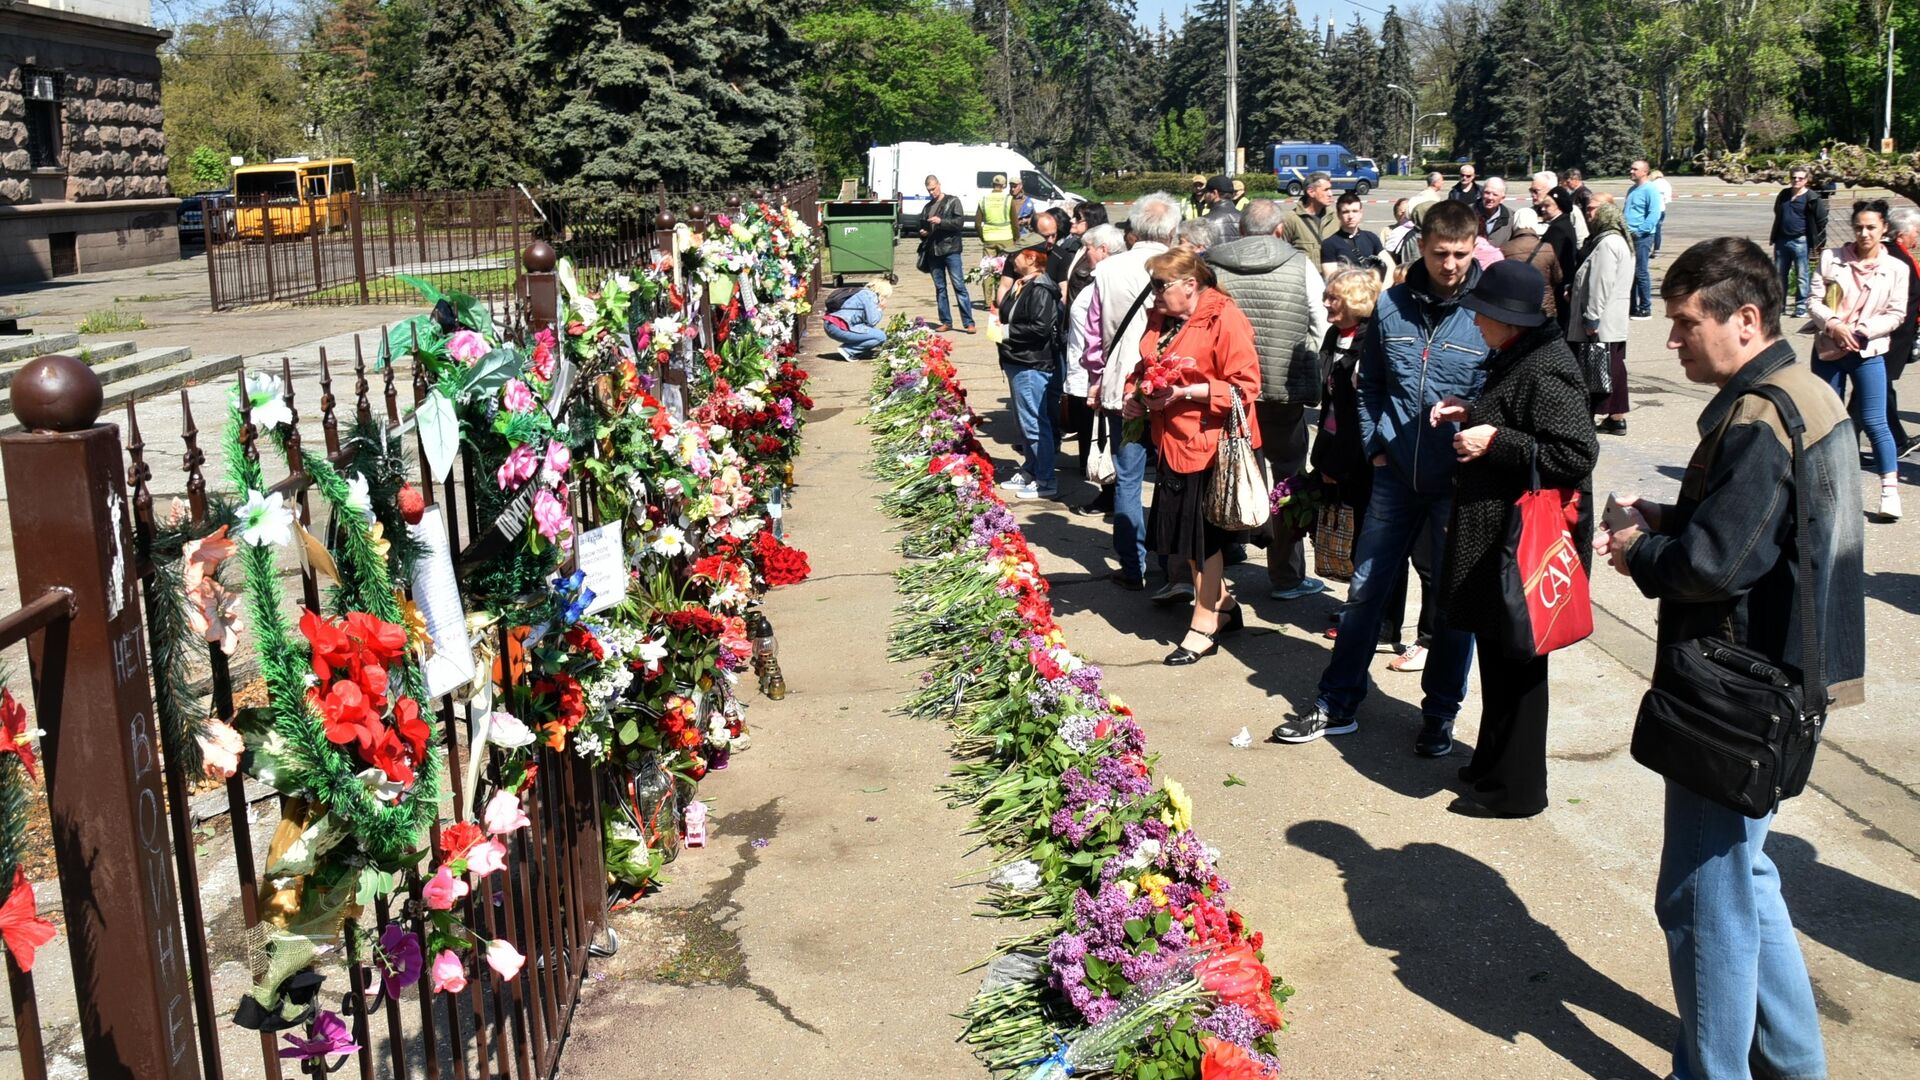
pixel 1293 162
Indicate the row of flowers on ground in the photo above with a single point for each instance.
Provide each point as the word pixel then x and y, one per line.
pixel 1139 965
pixel 648 445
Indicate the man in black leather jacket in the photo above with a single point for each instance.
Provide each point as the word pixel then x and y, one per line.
pixel 940 231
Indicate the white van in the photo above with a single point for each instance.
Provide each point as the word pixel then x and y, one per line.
pixel 964 170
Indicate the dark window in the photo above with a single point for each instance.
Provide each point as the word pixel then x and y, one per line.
pixel 1324 161
pixel 343 179
pixel 283 184
pixel 44 135
pixel 63 252
pixel 984 181
pixel 317 185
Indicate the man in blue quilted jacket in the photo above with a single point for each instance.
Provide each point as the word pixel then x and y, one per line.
pixel 1420 347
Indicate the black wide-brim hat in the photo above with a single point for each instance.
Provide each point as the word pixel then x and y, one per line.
pixel 1509 291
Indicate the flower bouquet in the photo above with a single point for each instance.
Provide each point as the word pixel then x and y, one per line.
pixel 1157 375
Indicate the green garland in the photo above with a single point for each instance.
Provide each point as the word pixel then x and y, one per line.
pixel 176 701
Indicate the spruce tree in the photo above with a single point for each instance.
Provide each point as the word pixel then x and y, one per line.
pixel 473 135
pixel 1291 98
pixel 1359 102
pixel 1396 67
pixel 1595 116
pixel 1197 71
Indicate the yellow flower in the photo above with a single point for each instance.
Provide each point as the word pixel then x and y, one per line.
pixel 1129 888
pixel 1179 812
pixel 1156 887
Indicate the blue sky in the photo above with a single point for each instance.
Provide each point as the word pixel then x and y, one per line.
pixel 1343 11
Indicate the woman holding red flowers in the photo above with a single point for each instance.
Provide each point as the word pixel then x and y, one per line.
pixel 1196 354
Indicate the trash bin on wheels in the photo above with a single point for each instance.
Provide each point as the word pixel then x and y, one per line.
pixel 861 234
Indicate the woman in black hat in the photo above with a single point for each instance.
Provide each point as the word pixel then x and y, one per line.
pixel 1532 413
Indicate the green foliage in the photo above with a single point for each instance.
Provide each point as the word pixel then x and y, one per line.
pixel 1285 92
pixel 1396 66
pixel 364 78
pixel 206 170
pixel 1181 139
pixel 113 320
pixel 1593 112
pixel 886 76
pixel 1353 70
pixel 227 83
pixel 473 63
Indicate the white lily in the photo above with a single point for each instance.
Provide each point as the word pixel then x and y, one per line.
pixel 266 519
pixel 266 398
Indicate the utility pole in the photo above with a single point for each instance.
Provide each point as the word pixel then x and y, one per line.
pixel 1006 56
pixel 1886 133
pixel 1233 83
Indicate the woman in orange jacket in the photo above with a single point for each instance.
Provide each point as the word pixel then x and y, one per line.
pixel 1196 354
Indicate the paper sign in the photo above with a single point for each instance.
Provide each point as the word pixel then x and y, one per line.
pixel 436 590
pixel 560 387
pixel 603 558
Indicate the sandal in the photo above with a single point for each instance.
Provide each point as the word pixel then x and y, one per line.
pixel 1181 656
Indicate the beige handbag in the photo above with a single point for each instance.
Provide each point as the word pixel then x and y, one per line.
pixel 1239 499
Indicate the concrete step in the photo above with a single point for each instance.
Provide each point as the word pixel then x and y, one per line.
pixel 142 362
pixel 95 353
pixel 150 383
pixel 27 348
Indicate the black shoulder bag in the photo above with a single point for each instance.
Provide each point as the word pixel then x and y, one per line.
pixel 1725 722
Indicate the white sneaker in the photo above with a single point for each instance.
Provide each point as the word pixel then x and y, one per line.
pixel 1022 491
pixel 1890 502
pixel 1035 491
pixel 1017 481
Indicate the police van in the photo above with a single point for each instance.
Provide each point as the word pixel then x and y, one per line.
pixel 1293 162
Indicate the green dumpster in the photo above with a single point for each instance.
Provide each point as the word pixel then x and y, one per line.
pixel 860 237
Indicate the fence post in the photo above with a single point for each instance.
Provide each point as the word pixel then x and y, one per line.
pixel 541 284
pixel 359 243
pixel 109 818
pixel 211 212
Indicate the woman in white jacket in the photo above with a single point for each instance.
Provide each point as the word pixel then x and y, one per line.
pixel 1083 336
pixel 1598 303
pixel 1859 300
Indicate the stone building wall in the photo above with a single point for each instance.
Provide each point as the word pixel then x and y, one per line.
pixel 110 107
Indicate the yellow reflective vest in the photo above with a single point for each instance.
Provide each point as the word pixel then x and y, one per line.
pixel 996 217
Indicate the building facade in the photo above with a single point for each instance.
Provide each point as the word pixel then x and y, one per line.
pixel 83 160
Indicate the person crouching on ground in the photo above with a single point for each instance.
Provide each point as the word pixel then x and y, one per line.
pixel 1531 415
pixel 855 323
pixel 1194 324
pixel 1030 356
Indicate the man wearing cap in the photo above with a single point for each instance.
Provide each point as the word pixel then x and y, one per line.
pixel 1217 198
pixel 1529 419
pixel 1023 208
pixel 1312 219
pixel 1192 206
pixel 1240 199
pixel 997 218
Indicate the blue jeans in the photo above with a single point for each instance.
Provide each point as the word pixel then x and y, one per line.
pixel 1642 275
pixel 1129 509
pixel 945 267
pixel 1738 977
pixel 1394 517
pixel 1790 257
pixel 859 340
pixel 1034 405
pixel 1869 375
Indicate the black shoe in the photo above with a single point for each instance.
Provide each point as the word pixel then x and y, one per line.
pixel 1131 584
pixel 1468 806
pixel 1233 619
pixel 1611 426
pixel 1182 656
pixel 1436 738
pixel 1100 504
pixel 1907 447
pixel 1300 729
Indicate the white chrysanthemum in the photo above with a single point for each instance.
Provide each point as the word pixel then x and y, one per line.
pixel 669 541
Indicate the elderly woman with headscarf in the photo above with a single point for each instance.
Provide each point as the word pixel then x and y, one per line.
pixel 1598 304
pixel 1529 425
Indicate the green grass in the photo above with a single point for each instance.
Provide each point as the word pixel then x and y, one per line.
pixel 390 290
pixel 113 320
pixel 148 298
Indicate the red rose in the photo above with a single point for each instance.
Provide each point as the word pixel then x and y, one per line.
pixel 456 839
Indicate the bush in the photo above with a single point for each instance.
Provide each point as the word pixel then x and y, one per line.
pixel 1113 187
pixel 114 320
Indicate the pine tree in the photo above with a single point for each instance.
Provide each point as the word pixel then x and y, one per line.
pixel 1595 120
pixel 1197 71
pixel 1290 96
pixel 1396 67
pixel 1354 73
pixel 474 135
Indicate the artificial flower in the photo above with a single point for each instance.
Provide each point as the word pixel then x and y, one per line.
pixel 485 858
pixel 550 515
pixel 21 927
pixel 214 613
pixel 265 519
pixel 1236 976
pixel 413 506
pixel 1228 1061
pixel 504 813
pixel 669 541
pixel 15 736
pixel 559 458
pixel 326 1036
pixel 448 973
pixel 517 397
pixel 504 959
pixel 199 558
pixel 266 401
pixel 458 838
pixel 507 731
pixel 359 493
pixel 442 889
pixel 399 959
pixel 380 785
pixel 519 467
pixel 467 346
pixel 220 749
pixel 1179 812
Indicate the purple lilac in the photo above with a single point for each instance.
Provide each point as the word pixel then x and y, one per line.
pixel 1234 1024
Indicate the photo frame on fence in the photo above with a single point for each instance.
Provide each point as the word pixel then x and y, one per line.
pixel 436 591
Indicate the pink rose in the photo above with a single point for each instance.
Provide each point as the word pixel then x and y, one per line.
pixel 484 859
pixel 443 889
pixel 550 515
pixel 504 959
pixel 504 813
pixel 519 468
pixel 559 458
pixel 517 397
pixel 467 346
pixel 449 974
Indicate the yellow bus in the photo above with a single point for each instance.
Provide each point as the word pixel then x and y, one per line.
pixel 301 196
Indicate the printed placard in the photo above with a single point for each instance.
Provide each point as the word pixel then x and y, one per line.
pixel 603 558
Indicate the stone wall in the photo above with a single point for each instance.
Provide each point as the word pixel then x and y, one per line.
pixel 110 99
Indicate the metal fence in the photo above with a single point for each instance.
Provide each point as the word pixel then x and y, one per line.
pixel 354 248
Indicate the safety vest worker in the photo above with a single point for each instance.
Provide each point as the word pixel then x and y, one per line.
pixel 996 217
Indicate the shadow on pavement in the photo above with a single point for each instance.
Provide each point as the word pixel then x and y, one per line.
pixel 1463 939
pixel 1875 925
pixel 1898 590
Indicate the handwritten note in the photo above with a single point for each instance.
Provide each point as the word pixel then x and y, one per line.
pixel 449 662
pixel 603 559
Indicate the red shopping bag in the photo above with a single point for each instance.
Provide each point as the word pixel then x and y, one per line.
pixel 1542 580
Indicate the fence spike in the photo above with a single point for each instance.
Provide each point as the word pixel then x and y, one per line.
pixel 137 475
pixel 362 409
pixel 293 422
pixel 329 425
pixel 392 392
pixel 247 431
pixel 192 461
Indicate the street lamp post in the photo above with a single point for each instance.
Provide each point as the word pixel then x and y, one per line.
pixel 1413 120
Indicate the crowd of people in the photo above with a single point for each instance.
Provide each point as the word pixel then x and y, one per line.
pixel 1471 353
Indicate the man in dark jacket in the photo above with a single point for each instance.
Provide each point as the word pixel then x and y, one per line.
pixel 1466 191
pixel 940 229
pixel 1799 230
pixel 1724 561
pixel 1217 198
pixel 1281 293
pixel 1496 223
pixel 1421 346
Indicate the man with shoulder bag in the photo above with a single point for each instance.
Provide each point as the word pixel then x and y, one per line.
pixel 1762 629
